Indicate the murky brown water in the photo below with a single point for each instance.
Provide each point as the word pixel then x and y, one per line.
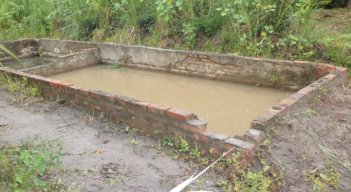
pixel 227 107
pixel 28 62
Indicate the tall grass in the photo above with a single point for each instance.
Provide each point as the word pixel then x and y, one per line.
pixel 267 28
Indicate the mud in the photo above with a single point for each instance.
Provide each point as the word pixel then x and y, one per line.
pixel 297 140
pixel 95 151
pixel 227 107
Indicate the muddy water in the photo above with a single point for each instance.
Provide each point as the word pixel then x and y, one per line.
pixel 28 62
pixel 227 107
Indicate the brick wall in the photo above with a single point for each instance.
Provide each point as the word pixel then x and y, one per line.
pixel 150 119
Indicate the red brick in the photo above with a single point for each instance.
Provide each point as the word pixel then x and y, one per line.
pixel 179 114
pixel 195 125
pixel 202 138
pixel 58 83
pixel 160 109
pixel 142 104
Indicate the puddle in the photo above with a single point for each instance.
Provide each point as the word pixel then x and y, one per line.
pixel 28 62
pixel 227 107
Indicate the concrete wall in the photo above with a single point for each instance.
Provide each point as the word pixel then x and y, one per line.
pixel 85 58
pixel 20 47
pixel 66 58
pixel 274 73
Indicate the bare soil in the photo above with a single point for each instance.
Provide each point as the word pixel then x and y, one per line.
pixel 298 140
pixel 99 156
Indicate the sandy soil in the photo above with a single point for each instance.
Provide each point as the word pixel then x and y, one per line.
pixel 99 156
pixel 298 139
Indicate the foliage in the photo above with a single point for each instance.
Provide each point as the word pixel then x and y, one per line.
pixel 20 86
pixel 30 166
pixel 324 177
pixel 282 29
pixel 240 171
pixel 254 27
pixel 337 4
pixel 182 148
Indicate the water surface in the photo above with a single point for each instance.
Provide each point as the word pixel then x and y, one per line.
pixel 227 107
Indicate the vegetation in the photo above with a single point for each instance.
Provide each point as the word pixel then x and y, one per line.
pixel 324 177
pixel 240 171
pixel 263 28
pixel 30 166
pixel 283 29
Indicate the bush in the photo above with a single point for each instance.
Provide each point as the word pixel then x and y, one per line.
pixel 247 27
pixel 337 4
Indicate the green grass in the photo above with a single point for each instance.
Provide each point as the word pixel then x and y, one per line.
pixel 239 171
pixel 288 29
pixel 30 166
pixel 262 28
pixel 334 34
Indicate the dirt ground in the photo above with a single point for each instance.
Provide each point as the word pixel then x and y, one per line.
pixel 96 151
pixel 98 156
pixel 298 141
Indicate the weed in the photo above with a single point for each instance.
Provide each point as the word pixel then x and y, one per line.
pixel 134 142
pixel 274 78
pixel 120 65
pixel 182 148
pixel 269 28
pixel 310 112
pixel 131 131
pixel 30 166
pixel 117 66
pixel 22 86
pixel 324 177
pixel 224 185
pixel 236 168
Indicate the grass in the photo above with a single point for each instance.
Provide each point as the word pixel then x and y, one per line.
pixel 323 178
pixel 31 166
pixel 20 86
pixel 334 33
pixel 294 30
pixel 264 28
pixel 240 171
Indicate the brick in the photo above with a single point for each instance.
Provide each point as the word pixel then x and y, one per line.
pixel 58 83
pixel 142 104
pixel 158 109
pixel 180 115
pixel 240 143
pixel 201 138
pixel 194 128
pixel 218 136
pixel 256 135
pixel 112 98
pixel 124 101
pixel 198 123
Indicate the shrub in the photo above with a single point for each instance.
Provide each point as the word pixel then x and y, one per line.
pixel 337 4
